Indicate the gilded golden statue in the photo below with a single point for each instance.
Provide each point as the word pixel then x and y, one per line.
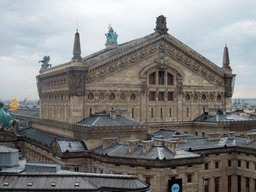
pixel 14 105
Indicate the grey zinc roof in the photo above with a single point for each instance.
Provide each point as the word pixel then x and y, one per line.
pixel 106 120
pixel 166 134
pixel 160 152
pixel 67 179
pixel 41 136
pixel 5 149
pixel 221 118
pixel 71 146
pixel 27 112
pixel 46 138
pixel 45 182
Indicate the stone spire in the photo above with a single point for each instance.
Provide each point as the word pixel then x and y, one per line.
pixel 161 25
pixel 77 48
pixel 225 61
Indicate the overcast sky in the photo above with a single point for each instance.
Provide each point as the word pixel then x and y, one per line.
pixel 32 29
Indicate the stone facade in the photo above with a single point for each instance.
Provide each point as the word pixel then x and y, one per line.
pixel 156 78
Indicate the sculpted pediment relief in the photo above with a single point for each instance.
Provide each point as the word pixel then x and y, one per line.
pixel 165 48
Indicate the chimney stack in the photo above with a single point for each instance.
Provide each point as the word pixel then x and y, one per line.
pixel 108 141
pixel 133 144
pixel 213 136
pixel 147 145
pixel 171 145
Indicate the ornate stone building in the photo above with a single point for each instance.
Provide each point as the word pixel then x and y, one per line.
pixel 155 78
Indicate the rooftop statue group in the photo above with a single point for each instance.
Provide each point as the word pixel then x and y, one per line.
pixel 45 62
pixel 111 36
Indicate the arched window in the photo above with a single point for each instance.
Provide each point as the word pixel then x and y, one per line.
pixel 169 79
pixel 152 78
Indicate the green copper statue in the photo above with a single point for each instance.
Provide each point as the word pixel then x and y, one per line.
pixel 111 36
pixel 45 62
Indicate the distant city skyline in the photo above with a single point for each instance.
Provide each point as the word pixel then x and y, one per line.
pixel 34 29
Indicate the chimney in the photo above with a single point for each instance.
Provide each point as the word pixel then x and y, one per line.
pixel 147 145
pixel 158 141
pixel 181 138
pixel 250 137
pixel 231 135
pixel 112 113
pixel 213 136
pixel 171 145
pixel 133 144
pixel 108 141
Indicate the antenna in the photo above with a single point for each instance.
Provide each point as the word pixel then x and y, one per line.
pixel 225 40
pixel 77 24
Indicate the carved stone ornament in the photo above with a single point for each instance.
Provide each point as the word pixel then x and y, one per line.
pixel 161 61
pixel 144 87
pixel 180 87
pixel 76 81
pixel 161 25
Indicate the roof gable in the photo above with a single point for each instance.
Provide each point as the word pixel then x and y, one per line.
pixel 135 51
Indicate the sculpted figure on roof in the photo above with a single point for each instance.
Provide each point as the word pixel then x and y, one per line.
pixel 111 36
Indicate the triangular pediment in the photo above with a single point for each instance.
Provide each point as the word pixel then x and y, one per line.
pixel 105 62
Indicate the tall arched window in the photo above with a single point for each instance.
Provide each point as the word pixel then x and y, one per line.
pixel 161 77
pixel 152 78
pixel 169 79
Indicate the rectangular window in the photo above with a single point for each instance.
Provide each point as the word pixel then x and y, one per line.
pixel 187 112
pixel 132 112
pixel 152 79
pixel 203 134
pixel 206 166
pixel 169 79
pixel 206 185
pixel 161 78
pixel 170 96
pixel 189 178
pixel 217 180
pixel 217 165
pixel 161 96
pixel 248 165
pixel 238 183
pixel 152 96
pixel 196 133
pixel 161 112
pixel 247 184
pixel 148 180
pixel 229 183
pixel 152 113
pixel 229 163
pixel 239 163
pixel 170 112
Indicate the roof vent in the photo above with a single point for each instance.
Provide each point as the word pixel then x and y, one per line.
pixel 69 144
pixel 250 137
pixel 77 184
pixel 53 184
pixel 30 183
pixel 6 184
